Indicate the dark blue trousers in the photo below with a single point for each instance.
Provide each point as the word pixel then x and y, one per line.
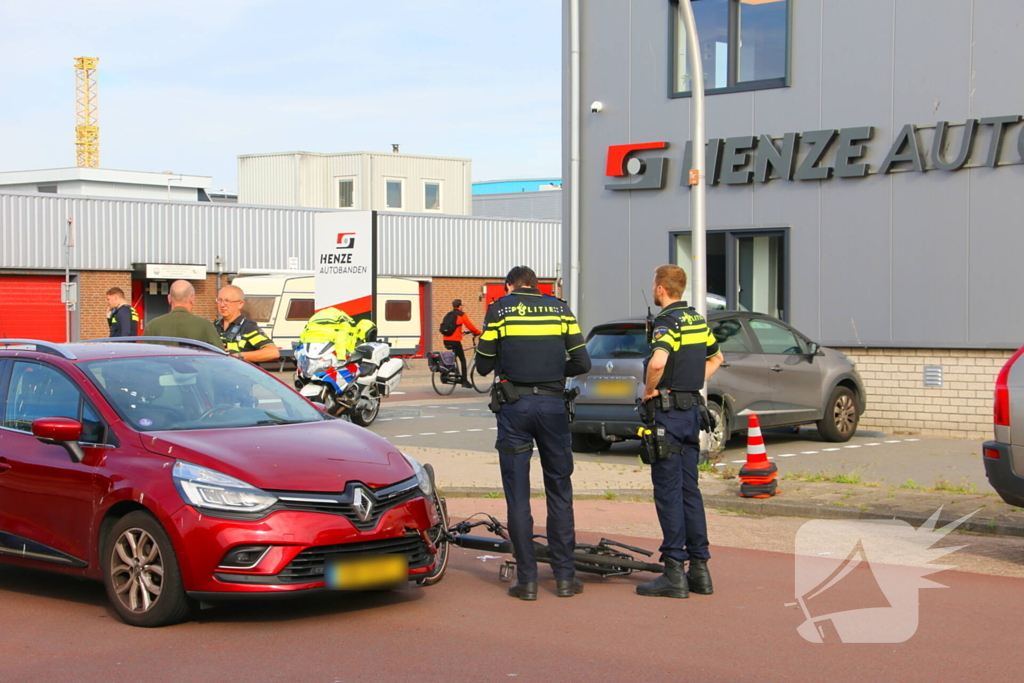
pixel 542 419
pixel 676 495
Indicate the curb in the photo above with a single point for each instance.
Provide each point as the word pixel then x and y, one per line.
pixel 773 507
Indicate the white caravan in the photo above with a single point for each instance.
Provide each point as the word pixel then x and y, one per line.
pixel 282 304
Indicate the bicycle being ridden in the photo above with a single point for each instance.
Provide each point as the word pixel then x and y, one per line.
pixel 446 373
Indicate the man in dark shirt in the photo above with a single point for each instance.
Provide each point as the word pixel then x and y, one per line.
pixel 122 318
pixel 534 342
pixel 181 322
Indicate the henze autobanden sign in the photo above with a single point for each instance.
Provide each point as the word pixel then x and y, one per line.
pixel 345 254
pixel 822 154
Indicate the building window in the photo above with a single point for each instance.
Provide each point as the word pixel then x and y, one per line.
pixel 432 196
pixel 744 45
pixel 746 269
pixel 346 193
pixel 49 189
pixel 300 309
pixel 394 194
pixel 399 311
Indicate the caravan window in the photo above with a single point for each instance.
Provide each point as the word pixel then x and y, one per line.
pixel 258 308
pixel 400 311
pixel 300 309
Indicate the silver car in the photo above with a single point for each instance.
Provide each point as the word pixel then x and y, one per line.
pixel 770 369
pixel 1004 455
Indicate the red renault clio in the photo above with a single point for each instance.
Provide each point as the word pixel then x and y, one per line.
pixel 179 474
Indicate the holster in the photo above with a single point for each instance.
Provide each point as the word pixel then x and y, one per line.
pixel 502 392
pixel 570 402
pixel 654 443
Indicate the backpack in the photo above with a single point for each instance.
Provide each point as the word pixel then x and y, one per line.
pixel 449 324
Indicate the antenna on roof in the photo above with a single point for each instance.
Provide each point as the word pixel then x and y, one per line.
pixel 394 148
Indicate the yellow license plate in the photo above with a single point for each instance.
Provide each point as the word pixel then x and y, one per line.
pixel 615 388
pixel 366 573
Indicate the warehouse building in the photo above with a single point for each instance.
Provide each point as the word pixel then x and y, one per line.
pixel 142 246
pixel 864 171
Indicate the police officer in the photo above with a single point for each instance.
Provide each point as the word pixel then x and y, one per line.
pixel 122 318
pixel 684 354
pixel 242 337
pixel 533 342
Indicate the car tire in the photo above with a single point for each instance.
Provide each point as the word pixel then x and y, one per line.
pixel 141 575
pixel 365 418
pixel 723 429
pixel 590 443
pixel 841 416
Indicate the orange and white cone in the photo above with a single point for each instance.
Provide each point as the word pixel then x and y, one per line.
pixel 758 476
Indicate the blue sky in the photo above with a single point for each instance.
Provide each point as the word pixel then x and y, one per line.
pixel 187 85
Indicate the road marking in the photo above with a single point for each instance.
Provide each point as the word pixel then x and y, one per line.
pixel 873 444
pixel 911 439
pixel 397 393
pixel 407 417
pixel 736 462
pixel 719 464
pixel 401 436
pixel 424 417
pixel 493 429
pixel 384 419
pixel 853 446
pixel 808 452
pixel 894 441
pixel 452 431
pixel 829 450
pixel 428 433
pixel 474 430
pixel 790 455
pixel 453 407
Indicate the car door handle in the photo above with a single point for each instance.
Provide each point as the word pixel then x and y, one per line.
pixel 725 364
pixel 776 368
pixel 4 465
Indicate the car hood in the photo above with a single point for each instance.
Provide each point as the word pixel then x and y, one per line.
pixel 313 456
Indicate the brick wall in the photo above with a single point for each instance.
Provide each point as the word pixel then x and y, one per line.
pixel 446 289
pixel 92 293
pixel 206 295
pixel 898 401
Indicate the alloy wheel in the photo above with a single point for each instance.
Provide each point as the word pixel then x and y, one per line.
pixel 845 414
pixel 137 570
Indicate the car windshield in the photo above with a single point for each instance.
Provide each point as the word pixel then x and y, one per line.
pixel 623 341
pixel 196 392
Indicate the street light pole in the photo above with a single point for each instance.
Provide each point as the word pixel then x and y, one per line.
pixel 698 144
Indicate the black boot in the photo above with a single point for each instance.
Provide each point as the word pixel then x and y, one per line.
pixel 523 591
pixel 567 589
pixel 671 584
pixel 699 578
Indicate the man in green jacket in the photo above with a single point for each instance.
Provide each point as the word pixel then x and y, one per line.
pixel 181 322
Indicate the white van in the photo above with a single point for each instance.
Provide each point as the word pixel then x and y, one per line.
pixel 282 304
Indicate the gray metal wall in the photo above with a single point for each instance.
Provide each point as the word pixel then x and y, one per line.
pixel 908 259
pixel 112 234
pixel 545 205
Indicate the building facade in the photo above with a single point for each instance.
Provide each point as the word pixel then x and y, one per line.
pixel 357 180
pixel 105 182
pixel 864 169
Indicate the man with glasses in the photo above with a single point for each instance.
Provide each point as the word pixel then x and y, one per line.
pixel 242 337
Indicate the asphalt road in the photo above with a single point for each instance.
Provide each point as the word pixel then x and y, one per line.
pixel 464 422
pixel 58 629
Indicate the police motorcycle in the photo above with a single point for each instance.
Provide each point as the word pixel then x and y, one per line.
pixel 348 387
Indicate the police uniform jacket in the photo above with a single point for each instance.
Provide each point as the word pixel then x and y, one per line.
pixel 683 333
pixel 532 339
pixel 124 321
pixel 181 322
pixel 242 335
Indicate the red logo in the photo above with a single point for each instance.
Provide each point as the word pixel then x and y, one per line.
pixel 617 154
pixel 346 240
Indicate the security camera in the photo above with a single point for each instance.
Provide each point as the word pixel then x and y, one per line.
pixel 596 107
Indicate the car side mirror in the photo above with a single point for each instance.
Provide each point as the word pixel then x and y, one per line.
pixel 813 349
pixel 60 431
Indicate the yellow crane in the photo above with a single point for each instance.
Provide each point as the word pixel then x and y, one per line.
pixel 87 129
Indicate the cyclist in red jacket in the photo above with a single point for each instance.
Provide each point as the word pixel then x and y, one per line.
pixel 453 341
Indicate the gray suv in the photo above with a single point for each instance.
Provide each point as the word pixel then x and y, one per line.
pixel 770 369
pixel 1004 456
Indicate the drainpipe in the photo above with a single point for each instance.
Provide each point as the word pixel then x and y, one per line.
pixel 574 156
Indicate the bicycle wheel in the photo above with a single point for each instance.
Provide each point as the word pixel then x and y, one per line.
pixel 439 537
pixel 443 388
pixel 480 383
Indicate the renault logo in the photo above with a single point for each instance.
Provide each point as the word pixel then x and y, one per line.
pixel 363 504
pixel 609 367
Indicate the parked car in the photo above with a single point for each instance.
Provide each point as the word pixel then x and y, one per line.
pixel 176 475
pixel 1004 456
pixel 770 369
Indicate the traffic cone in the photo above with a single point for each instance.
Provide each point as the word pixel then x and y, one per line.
pixel 758 476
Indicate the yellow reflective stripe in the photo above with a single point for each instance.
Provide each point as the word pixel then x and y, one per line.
pixel 489 355
pixel 571 329
pixel 490 334
pixel 575 347
pixel 514 330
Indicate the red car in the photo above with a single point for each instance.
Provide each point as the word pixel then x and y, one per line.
pixel 180 474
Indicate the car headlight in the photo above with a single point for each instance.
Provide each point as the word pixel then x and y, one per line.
pixel 422 477
pixel 210 489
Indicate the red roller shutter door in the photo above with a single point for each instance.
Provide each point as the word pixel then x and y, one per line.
pixel 30 307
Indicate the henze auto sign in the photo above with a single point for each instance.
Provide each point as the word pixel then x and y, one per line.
pixel 822 154
pixel 345 256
